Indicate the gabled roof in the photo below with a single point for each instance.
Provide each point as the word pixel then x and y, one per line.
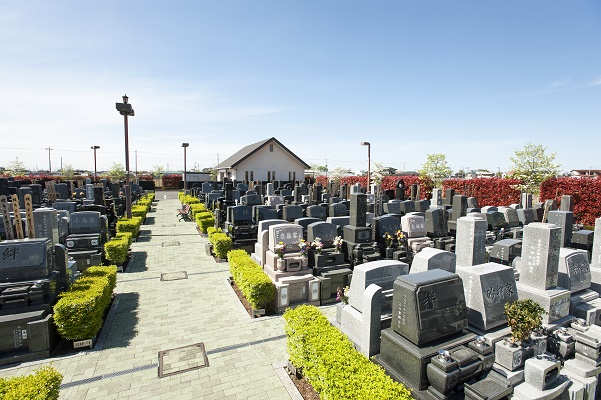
pixel 245 152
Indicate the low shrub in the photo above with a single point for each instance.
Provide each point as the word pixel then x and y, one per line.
pixel 330 362
pixel 139 211
pixel 222 243
pixel 197 208
pixel 144 203
pixel 115 250
pixel 43 384
pixel 204 220
pixel 256 286
pixel 129 225
pixel 187 199
pixel 127 235
pixel 211 230
pixel 79 312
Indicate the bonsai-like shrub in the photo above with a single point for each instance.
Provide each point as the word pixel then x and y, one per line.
pixel 523 317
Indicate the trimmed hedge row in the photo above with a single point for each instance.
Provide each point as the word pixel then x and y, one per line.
pixel 256 286
pixel 115 250
pixel 488 191
pixel 330 362
pixel 43 384
pixel 129 225
pixel 222 244
pixel 197 208
pixel 139 211
pixel 79 312
pixel 187 199
pixel 205 220
pixel 586 192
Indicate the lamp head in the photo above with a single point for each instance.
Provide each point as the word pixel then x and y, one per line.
pixel 364 143
pixel 185 144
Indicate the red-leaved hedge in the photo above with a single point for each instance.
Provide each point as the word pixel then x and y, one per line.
pixel 171 181
pixel 586 193
pixel 488 191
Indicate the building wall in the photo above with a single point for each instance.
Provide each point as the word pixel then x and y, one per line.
pixel 285 166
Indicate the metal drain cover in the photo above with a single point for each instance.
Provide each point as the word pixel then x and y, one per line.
pixel 169 244
pixel 182 359
pixel 174 276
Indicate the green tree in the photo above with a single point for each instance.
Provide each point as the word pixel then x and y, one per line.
pixel 316 168
pixel 15 168
pixel 158 171
pixel 379 172
pixel 532 166
pixel 68 172
pixel 116 172
pixel 436 168
pixel 338 173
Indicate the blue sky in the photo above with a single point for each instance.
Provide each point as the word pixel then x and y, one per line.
pixel 474 80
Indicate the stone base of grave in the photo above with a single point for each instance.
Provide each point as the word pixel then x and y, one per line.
pixel 492 336
pixel 582 296
pixel 407 363
pixel 595 279
pixel 293 265
pixel 491 387
pixel 32 336
pixel 525 391
pixel 331 279
pixel 583 377
pixel 514 377
pixel 555 301
pixel 325 259
pixel 295 290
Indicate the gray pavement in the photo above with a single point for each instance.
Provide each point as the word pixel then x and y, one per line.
pixel 150 316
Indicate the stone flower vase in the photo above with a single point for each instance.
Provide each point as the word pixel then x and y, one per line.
pixel 281 264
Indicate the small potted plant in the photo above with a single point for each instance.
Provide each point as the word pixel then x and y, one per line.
pixel 523 317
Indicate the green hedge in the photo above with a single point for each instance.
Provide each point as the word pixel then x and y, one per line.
pixel 330 362
pixel 139 211
pixel 115 250
pixel 79 312
pixel 129 225
pixel 127 235
pixel 143 202
pixel 197 208
pixel 222 243
pixel 187 199
pixel 211 230
pixel 256 286
pixel 205 220
pixel 43 384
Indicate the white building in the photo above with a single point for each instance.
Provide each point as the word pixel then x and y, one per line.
pixel 266 161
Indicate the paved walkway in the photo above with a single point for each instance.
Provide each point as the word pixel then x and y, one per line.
pixel 151 315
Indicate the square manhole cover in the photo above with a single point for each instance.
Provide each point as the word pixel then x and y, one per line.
pixel 174 276
pixel 182 359
pixel 169 244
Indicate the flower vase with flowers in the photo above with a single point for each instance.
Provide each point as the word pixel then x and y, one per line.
pixel 387 240
pixel 317 245
pixel 400 236
pixel 337 243
pixel 304 248
pixel 280 248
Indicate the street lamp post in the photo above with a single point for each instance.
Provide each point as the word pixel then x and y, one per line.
pixel 126 110
pixel 185 146
pixel 95 148
pixel 368 164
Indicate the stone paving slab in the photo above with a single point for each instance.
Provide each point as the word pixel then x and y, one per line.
pixel 153 315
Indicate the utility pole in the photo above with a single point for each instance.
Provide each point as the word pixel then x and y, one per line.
pixel 49 161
